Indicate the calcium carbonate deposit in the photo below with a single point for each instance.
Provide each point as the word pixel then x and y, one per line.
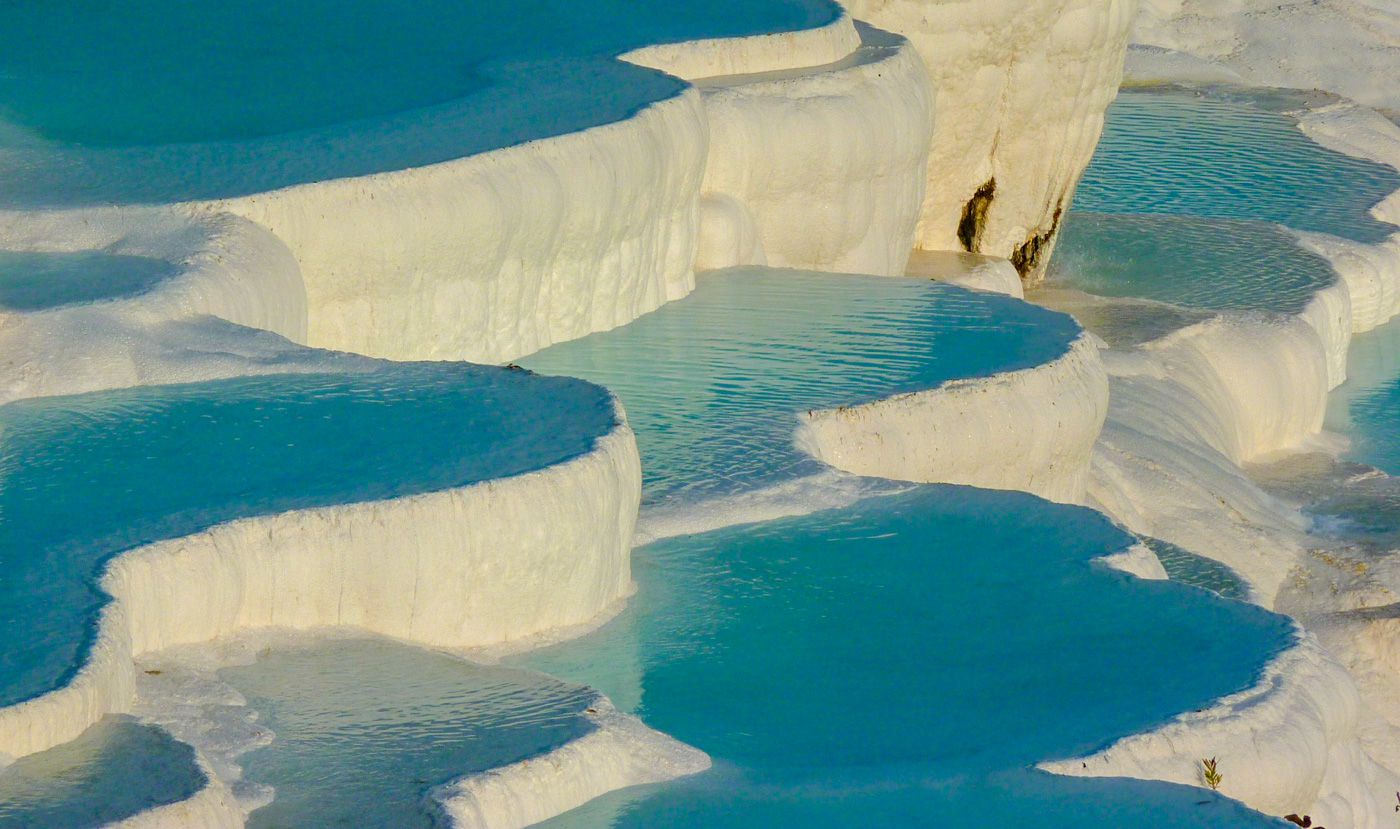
pixel 747 413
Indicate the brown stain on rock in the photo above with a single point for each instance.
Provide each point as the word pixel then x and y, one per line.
pixel 974 216
pixel 1026 258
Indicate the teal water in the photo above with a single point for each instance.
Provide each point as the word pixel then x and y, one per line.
pixel 40 281
pixel 366 728
pixel 164 100
pixel 1198 571
pixel 1189 200
pixel 1356 498
pixel 1367 406
pixel 116 769
pixel 83 478
pixel 1206 264
pixel 905 661
pixel 859 666
pixel 713 384
pixel 1185 203
pixel 1229 154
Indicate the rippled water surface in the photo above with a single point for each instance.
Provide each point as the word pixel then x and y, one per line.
pixel 713 384
pixel 116 769
pixel 366 728
pixel 906 661
pixel 1230 154
pixel 1189 262
pixel 902 661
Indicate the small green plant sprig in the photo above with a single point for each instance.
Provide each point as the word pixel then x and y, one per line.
pixel 1210 771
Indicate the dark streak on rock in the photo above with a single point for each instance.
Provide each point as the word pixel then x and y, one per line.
pixel 1027 257
pixel 974 216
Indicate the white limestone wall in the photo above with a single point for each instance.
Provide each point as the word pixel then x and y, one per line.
pixel 1314 735
pixel 496 255
pixel 232 300
pixel 1032 430
pixel 1287 745
pixel 1189 409
pixel 476 566
pixel 492 256
pixel 621 752
pixel 1020 90
pixel 822 167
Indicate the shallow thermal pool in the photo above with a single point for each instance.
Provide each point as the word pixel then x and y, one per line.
pixel 1228 153
pixel 857 665
pixel 43 281
pixel 713 383
pixel 366 728
pixel 849 665
pixel 1357 497
pixel 1188 207
pixel 116 769
pixel 166 100
pixel 1367 406
pixel 158 462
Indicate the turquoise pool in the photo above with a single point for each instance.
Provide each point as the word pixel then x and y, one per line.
pixel 1190 262
pixel 858 665
pixel 167 100
pixel 115 770
pixel 84 478
pixel 1367 406
pixel 862 667
pixel 43 281
pixel 1229 154
pixel 713 384
pixel 1189 202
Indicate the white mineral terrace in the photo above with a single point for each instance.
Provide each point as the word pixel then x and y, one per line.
pixel 1186 413
pixel 769 157
pixel 488 257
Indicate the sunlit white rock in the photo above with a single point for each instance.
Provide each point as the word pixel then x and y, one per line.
pixel 1021 90
pixel 1032 430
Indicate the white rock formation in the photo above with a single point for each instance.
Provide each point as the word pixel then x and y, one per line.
pixel 968 270
pixel 474 566
pixel 621 752
pixel 232 300
pixel 1020 91
pixel 1350 47
pixel 757 53
pixel 495 255
pixel 1287 745
pixel 1032 430
pixel 795 166
pixel 1186 412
